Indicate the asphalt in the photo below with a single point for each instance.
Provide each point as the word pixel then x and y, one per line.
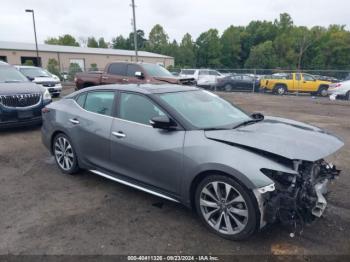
pixel 45 212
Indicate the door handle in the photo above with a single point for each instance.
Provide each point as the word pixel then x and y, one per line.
pixel 74 121
pixel 125 79
pixel 119 134
pixel 104 77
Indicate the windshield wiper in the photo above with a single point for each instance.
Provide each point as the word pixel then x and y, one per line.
pixel 247 122
pixel 215 128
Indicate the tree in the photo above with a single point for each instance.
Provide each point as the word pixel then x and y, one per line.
pixel 72 70
pixel 141 40
pixel 186 55
pixel 53 67
pixel 121 43
pixel 231 47
pixel 209 49
pixel 67 40
pixel 102 43
pixel 157 40
pixel 91 42
pixel 262 56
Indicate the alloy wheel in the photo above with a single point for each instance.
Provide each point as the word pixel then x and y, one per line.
pixel 64 153
pixel 223 208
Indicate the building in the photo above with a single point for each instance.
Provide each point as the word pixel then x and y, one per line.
pixel 18 53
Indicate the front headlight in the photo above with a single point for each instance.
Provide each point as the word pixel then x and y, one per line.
pixel 46 95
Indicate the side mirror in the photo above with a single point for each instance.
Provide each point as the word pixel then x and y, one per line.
pixel 257 116
pixel 139 75
pixel 162 122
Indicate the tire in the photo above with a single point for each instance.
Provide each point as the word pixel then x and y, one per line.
pixel 322 91
pixel 347 96
pixel 228 88
pixel 280 90
pixel 64 154
pixel 216 213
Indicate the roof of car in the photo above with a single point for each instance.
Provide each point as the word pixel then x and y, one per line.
pixel 143 88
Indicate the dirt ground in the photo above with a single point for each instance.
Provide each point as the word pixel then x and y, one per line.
pixel 45 212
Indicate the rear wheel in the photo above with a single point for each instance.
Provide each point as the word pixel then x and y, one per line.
pixel 64 154
pixel 280 90
pixel 228 88
pixel 226 207
pixel 347 96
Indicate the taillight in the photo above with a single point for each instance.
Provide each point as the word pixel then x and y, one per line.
pixel 337 85
pixel 45 110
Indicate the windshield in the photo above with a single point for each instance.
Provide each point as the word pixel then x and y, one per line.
pixel 205 110
pixel 156 71
pixel 9 74
pixel 33 72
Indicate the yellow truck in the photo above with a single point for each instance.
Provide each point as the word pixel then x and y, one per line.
pixel 295 82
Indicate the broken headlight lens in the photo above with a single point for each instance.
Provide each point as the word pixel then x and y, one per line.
pixel 279 177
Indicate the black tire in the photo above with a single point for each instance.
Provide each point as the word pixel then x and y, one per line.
pixel 347 96
pixel 280 90
pixel 322 91
pixel 249 206
pixel 74 168
pixel 228 88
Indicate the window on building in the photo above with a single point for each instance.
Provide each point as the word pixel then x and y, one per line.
pixel 3 58
pixel 30 60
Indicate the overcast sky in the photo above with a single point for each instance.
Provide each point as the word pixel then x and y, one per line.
pixel 109 18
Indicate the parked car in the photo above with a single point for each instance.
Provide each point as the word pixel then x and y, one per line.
pixel 127 73
pixel 340 90
pixel 43 78
pixel 21 101
pixel 238 83
pixel 190 146
pixel 206 78
pixel 296 82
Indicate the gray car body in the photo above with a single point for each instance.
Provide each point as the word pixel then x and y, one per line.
pixel 170 162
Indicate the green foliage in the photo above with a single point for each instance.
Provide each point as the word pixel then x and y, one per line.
pixel 91 42
pixel 73 69
pixel 62 40
pixel 186 53
pixel 231 47
pixel 158 40
pixel 102 43
pixel 121 43
pixel 93 67
pixel 53 67
pixel 262 56
pixel 209 49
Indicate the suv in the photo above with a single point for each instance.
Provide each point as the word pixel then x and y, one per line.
pixel 129 73
pixel 203 77
pixel 43 78
pixel 21 101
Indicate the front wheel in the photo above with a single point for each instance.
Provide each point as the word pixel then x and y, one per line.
pixel 64 154
pixel 228 88
pixel 280 90
pixel 226 207
pixel 322 91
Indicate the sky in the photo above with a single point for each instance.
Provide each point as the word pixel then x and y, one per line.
pixel 109 18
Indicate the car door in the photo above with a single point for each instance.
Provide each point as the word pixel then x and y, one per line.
pixel 308 83
pixel 130 73
pixel 115 74
pixel 141 152
pixel 91 125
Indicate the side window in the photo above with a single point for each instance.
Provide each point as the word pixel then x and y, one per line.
pixel 138 108
pixel 203 72
pixel 117 69
pixel 81 99
pixel 308 77
pixel 213 73
pixel 100 102
pixel 132 69
pixel 297 77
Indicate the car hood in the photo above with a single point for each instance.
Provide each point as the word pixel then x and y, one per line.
pixel 19 88
pixel 283 137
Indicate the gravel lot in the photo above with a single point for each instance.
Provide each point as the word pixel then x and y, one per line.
pixel 45 212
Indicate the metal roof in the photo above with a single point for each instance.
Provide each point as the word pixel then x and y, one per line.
pixel 4 45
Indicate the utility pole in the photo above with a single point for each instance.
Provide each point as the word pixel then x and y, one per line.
pixel 134 24
pixel 36 40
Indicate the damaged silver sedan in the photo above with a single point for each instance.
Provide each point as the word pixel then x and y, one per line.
pixel 238 171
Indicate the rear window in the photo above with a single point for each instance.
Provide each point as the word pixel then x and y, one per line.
pixel 117 69
pixel 187 72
